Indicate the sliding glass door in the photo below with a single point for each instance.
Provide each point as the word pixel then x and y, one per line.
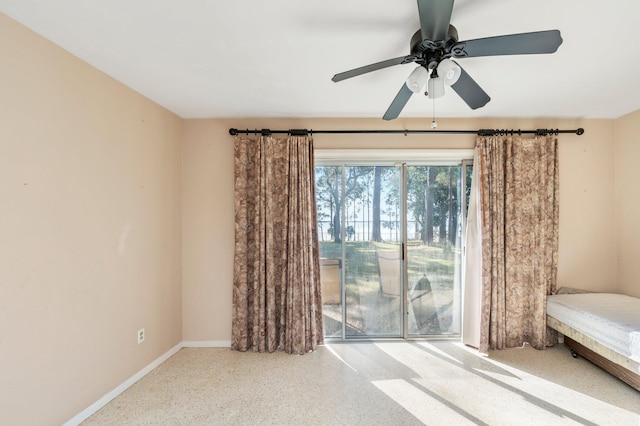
pixel 434 238
pixel 390 246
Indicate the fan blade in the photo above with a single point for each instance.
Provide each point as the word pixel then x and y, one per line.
pixel 372 67
pixel 470 91
pixel 398 103
pixel 435 16
pixel 513 44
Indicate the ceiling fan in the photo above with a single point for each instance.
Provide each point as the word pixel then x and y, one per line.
pixel 435 44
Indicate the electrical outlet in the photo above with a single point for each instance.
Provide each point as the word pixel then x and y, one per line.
pixel 141 335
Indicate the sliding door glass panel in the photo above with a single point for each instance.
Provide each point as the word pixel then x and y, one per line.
pixel 329 216
pixel 373 257
pixel 434 238
pixel 359 228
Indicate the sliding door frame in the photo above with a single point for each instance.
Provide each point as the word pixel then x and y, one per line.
pixel 399 158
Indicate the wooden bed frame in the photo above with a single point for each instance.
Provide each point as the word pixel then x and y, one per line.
pixel 613 362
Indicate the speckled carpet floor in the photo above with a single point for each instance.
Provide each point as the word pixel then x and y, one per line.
pixel 375 383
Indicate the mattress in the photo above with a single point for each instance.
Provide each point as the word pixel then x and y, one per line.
pixel 611 319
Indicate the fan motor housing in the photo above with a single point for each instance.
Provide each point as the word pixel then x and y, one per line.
pixel 432 52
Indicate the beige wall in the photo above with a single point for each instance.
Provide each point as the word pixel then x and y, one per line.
pixel 89 231
pixel 587 240
pixel 627 156
pixel 208 231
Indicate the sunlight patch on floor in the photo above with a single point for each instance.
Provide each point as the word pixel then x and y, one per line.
pixel 424 407
pixel 334 353
pixel 448 375
pixel 562 396
pixel 440 352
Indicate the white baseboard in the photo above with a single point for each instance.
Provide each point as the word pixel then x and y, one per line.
pixel 207 344
pixel 93 408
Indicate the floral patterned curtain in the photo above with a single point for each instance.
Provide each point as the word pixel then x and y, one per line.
pixel 519 202
pixel 276 284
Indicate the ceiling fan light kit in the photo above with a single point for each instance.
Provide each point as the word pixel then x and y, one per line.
pixel 435 44
pixel 417 79
pixel 449 71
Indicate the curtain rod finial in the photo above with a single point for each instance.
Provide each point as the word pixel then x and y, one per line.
pixel 233 132
pixel 580 131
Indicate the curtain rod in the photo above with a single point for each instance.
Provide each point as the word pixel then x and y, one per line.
pixel 480 132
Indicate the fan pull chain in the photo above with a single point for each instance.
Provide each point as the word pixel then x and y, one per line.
pixel 434 123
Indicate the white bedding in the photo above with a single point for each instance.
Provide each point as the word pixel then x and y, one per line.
pixel 611 319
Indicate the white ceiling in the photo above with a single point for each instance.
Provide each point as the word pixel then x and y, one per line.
pixel 243 58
